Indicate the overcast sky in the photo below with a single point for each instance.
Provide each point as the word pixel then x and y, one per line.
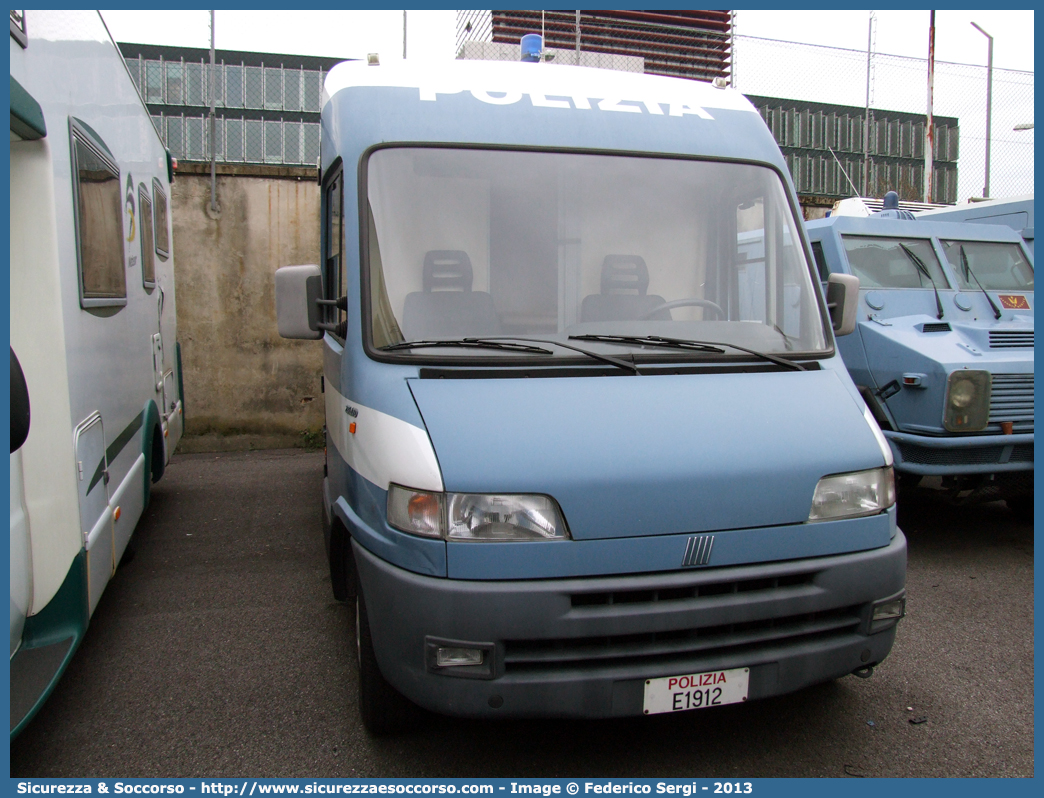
pixel 432 34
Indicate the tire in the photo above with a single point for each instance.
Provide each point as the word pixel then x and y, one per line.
pixel 383 709
pixel 343 577
pixel 1022 507
pixel 905 483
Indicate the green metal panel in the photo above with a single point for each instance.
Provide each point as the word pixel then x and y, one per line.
pixel 27 119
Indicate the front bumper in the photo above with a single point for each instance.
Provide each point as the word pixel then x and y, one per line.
pixel 583 647
pixel 964 454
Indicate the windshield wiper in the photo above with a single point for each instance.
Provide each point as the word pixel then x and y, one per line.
pixel 505 343
pixel 682 343
pixel 924 270
pixel 468 343
pixel 967 271
pixel 786 338
pixel 612 361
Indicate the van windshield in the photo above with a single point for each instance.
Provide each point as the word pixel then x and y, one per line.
pixel 467 243
pixel 999 266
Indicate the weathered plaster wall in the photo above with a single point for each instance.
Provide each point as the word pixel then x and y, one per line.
pixel 244 385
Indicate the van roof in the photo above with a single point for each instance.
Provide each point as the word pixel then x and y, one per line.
pixel 509 104
pixel 554 80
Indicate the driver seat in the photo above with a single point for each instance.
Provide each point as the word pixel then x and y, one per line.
pixel 625 279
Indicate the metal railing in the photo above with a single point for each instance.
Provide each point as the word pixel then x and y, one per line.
pixel 241 140
pixel 264 114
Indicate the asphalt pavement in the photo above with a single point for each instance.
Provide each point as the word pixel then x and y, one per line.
pixel 218 651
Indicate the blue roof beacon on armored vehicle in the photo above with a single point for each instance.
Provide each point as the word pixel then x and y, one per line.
pixel 943 349
pixel 592 451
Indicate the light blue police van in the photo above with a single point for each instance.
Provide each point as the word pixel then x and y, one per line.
pixel 586 456
pixel 943 347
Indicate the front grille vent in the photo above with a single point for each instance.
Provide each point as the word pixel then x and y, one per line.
pixel 1023 453
pixel 982 455
pixel 663 646
pixel 936 326
pixel 689 591
pixel 1010 339
pixel 1011 398
pixel 922 455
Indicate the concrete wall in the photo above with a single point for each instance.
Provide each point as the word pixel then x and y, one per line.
pixel 245 387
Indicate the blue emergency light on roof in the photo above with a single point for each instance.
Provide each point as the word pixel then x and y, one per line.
pixel 532 46
pixel 891 209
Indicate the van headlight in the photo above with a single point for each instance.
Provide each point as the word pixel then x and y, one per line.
pixel 967 401
pixel 853 495
pixel 476 516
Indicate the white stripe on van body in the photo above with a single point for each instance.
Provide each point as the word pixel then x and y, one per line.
pixel 383 449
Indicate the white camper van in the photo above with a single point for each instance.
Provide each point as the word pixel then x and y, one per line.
pixel 95 382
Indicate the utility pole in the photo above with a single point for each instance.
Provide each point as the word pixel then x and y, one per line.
pixel 929 131
pixel 866 117
pixel 213 141
pixel 578 38
pixel 989 105
pixel 404 34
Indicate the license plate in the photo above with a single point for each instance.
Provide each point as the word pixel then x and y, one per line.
pixel 696 690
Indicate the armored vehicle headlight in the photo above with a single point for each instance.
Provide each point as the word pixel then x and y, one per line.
pixel 967 401
pixel 476 516
pixel 853 495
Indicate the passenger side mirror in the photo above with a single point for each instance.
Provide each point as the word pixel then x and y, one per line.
pixel 843 302
pixel 297 311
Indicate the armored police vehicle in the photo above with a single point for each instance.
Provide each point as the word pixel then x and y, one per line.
pixel 943 347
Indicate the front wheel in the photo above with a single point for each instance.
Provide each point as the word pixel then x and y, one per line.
pixel 383 709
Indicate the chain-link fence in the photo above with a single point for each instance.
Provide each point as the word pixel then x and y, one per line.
pixel 813 73
pixel 263 114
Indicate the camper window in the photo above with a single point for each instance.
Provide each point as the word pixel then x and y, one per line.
pixel 99 223
pixel 161 231
pixel 148 261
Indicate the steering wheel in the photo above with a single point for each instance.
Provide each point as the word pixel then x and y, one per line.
pixel 686 303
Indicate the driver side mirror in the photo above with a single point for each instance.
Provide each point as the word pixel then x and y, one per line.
pixel 297 289
pixel 843 302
